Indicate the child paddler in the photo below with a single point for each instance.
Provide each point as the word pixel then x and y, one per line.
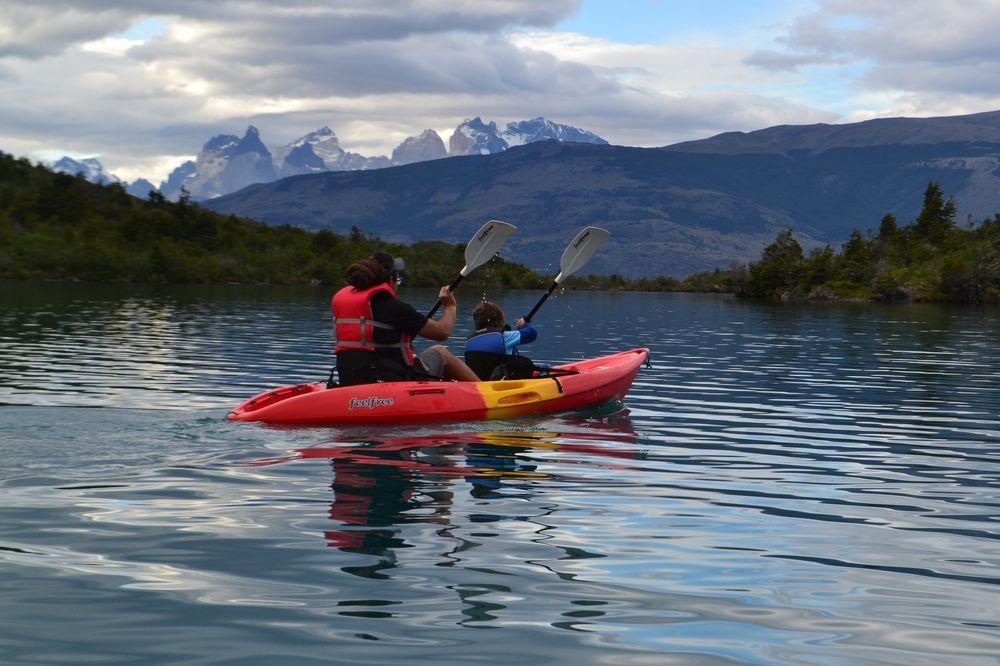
pixel 491 351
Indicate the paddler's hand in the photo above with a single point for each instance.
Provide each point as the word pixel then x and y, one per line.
pixel 520 323
pixel 446 297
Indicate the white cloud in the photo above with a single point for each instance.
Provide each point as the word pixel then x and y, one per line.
pixel 116 46
pixel 922 57
pixel 377 72
pixel 154 169
pixel 665 68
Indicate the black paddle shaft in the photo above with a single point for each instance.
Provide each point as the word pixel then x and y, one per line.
pixel 451 287
pixel 527 317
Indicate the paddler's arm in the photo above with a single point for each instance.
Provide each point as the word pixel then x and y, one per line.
pixel 440 330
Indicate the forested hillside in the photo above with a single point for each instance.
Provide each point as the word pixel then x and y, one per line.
pixel 57 226
pixel 931 259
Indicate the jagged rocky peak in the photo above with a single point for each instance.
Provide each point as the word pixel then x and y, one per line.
pixel 427 146
pixel 228 163
pixel 323 143
pixel 178 178
pixel 93 171
pixel 230 145
pixel 323 134
pixel 539 129
pixel 304 156
pixel 90 168
pixel 251 143
pixel 220 143
pixel 474 137
pixel 301 160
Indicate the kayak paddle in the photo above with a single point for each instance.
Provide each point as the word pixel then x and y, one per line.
pixel 480 249
pixel 577 253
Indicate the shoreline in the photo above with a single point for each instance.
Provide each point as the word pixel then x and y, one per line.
pixel 785 299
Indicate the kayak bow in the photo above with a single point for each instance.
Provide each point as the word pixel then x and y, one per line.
pixel 576 385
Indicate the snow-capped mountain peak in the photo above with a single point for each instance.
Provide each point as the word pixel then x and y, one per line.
pixel 289 160
pixel 93 171
pixel 90 168
pixel 324 135
pixel 474 137
pixel 221 143
pixel 540 129
pixel 227 162
pixel 323 142
pixel 304 159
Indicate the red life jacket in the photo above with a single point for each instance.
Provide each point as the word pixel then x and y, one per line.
pixel 354 326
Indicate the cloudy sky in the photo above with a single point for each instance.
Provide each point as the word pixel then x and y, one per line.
pixel 144 83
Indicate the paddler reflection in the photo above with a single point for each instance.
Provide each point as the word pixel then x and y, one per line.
pixel 376 489
pixel 380 485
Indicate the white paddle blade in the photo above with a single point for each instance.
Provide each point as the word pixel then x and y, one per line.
pixel 580 250
pixel 486 243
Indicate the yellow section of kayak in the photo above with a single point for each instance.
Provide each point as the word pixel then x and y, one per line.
pixel 504 396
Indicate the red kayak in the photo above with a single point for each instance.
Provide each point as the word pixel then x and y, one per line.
pixel 588 383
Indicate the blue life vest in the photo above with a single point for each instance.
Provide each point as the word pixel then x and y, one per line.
pixel 485 353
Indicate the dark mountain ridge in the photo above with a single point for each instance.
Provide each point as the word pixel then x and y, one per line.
pixel 672 210
pixel 785 139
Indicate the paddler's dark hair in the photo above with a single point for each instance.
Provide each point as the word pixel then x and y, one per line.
pixel 487 315
pixel 370 271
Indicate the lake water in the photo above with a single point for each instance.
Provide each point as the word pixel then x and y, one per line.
pixel 788 485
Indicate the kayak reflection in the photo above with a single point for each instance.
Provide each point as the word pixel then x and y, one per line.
pixel 381 484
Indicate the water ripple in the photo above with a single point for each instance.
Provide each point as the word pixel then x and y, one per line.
pixel 787 485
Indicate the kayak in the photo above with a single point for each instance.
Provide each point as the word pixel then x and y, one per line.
pixel 588 383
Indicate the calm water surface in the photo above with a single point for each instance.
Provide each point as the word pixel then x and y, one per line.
pixel 787 485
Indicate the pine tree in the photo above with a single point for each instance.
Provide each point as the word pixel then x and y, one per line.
pixel 778 269
pixel 857 257
pixel 937 217
pixel 887 228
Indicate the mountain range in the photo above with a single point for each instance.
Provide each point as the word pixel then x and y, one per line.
pixel 673 210
pixel 92 170
pixel 475 137
pixel 227 163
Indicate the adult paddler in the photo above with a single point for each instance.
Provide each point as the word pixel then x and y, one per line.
pixel 374 329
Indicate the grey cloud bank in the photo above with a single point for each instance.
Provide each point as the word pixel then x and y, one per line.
pixel 922 46
pixel 71 82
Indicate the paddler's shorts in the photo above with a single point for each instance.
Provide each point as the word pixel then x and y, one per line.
pixel 432 362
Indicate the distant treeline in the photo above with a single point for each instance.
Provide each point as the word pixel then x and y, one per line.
pixel 931 259
pixel 714 282
pixel 57 226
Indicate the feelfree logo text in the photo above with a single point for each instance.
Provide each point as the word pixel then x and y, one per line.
pixel 371 402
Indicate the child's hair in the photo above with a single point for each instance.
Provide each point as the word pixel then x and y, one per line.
pixel 487 315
